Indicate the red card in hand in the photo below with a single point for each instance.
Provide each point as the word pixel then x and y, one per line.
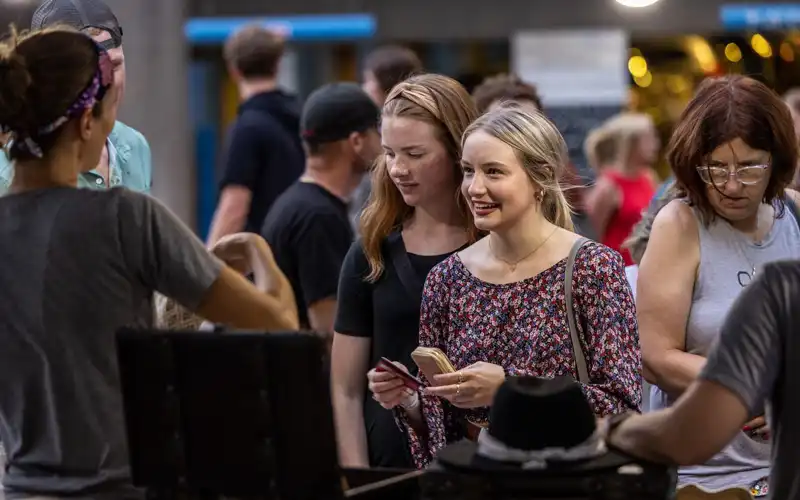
pixel 410 381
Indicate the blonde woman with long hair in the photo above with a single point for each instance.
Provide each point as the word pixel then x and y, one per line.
pixel 414 219
pixel 625 185
pixel 498 307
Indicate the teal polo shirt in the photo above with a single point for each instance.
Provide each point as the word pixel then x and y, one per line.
pixel 129 160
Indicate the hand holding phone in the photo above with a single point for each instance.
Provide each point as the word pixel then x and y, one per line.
pixel 432 361
pixel 410 381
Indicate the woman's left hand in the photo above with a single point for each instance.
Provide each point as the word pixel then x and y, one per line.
pixel 471 387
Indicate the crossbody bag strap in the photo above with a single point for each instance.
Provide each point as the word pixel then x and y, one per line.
pixel 577 348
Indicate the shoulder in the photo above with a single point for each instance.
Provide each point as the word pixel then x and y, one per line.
pixel 445 272
pixel 678 218
pixel 355 262
pixel 123 135
pixel 129 200
pixel 596 258
pixel 784 273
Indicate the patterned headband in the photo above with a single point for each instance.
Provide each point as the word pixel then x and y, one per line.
pixel 93 93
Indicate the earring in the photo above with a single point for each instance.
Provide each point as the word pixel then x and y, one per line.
pixel 540 196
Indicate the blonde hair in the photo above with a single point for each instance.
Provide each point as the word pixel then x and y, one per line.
pixel 627 129
pixel 443 103
pixel 540 149
pixel 600 148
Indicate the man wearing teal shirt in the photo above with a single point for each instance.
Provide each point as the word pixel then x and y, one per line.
pixel 126 160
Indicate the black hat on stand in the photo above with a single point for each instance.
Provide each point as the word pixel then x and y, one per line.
pixel 543 442
pixel 536 425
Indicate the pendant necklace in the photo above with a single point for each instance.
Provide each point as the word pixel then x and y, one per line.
pixel 513 265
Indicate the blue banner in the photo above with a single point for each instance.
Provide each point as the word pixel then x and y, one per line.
pixel 298 28
pixel 765 16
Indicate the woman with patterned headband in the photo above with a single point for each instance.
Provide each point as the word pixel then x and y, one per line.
pixel 63 249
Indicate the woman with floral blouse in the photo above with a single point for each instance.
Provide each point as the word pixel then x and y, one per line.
pixel 497 308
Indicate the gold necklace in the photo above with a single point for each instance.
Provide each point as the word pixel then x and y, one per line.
pixel 513 265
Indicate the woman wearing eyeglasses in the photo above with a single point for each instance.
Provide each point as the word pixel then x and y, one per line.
pixel 733 154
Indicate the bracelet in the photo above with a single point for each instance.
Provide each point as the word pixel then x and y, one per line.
pixel 410 405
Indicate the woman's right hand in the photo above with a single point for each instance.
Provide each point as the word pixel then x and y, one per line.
pixel 388 389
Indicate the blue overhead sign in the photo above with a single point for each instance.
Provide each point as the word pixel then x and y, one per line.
pixel 764 16
pixel 215 30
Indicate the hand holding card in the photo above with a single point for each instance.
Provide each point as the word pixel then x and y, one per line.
pixel 410 381
pixel 391 384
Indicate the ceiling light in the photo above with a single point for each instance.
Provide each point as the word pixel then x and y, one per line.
pixel 636 3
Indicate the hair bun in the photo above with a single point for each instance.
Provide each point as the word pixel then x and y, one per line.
pixel 15 81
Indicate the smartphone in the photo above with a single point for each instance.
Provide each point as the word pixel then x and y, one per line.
pixel 432 361
pixel 410 381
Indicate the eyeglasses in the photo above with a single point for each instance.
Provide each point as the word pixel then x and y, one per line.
pixel 718 176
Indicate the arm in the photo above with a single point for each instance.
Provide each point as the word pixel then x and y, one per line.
pixel 664 298
pixel 165 256
pixel 321 248
pixel 240 172
pixel 352 344
pixel 425 423
pixel 604 303
pixel 741 373
pixel 350 363
pixel 601 203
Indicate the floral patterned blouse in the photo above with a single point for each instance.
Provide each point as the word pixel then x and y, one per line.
pixel 523 327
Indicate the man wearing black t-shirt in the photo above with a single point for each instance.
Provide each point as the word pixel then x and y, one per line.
pixel 308 226
pixel 263 154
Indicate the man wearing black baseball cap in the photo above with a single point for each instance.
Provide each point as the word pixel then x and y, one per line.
pixel 308 227
pixel 126 160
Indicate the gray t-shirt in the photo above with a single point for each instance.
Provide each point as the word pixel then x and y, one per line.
pixel 756 357
pixel 75 266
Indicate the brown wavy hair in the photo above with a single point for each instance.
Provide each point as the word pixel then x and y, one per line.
pixel 722 110
pixel 443 103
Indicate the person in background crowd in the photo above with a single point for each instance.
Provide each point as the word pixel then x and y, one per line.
pixel 504 88
pixel 308 227
pixel 637 242
pixel 499 89
pixel 792 99
pixel 755 360
pixel 414 220
pixel 61 417
pixel 497 308
pixel 384 68
pixel 387 66
pixel 126 159
pixel 600 149
pixel 733 153
pixel 624 189
pixel 263 154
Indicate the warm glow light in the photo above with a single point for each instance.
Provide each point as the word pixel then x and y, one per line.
pixel 733 53
pixel 636 3
pixel 637 66
pixel 645 80
pixel 761 45
pixel 702 52
pixel 787 52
